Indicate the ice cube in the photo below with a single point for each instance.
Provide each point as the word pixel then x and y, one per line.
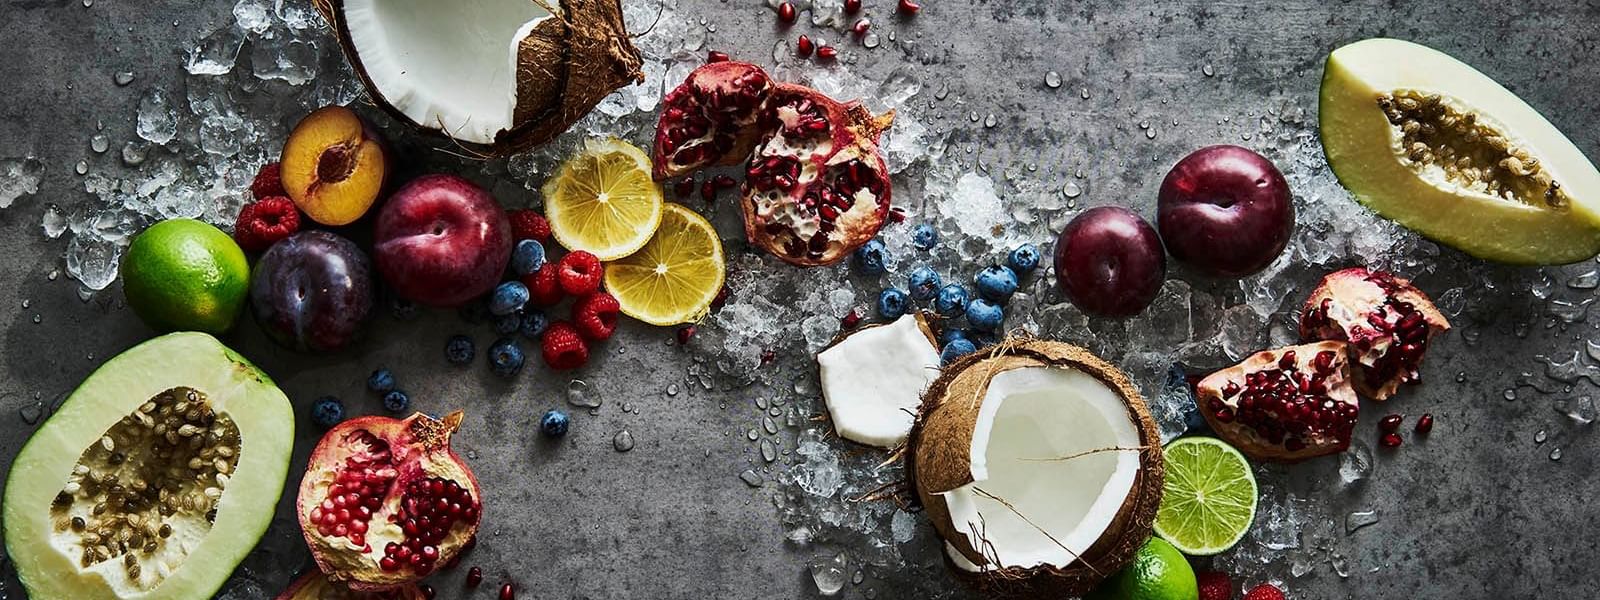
pixel 1356 463
pixel 93 261
pixel 19 177
pixel 252 15
pixel 829 573
pixel 158 118
pixel 216 53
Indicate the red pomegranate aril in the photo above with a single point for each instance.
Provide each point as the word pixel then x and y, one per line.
pixel 1425 424
pixel 684 187
pixel 803 47
pixel 827 53
pixel 427 591
pixel 852 6
pixel 861 27
pixel 1273 406
pixel 786 13
pixel 1390 423
pixel 1390 440
pixel 389 564
pixel 474 577
pixel 908 7
pixel 684 333
pixel 508 592
pixel 851 319
pixel 716 56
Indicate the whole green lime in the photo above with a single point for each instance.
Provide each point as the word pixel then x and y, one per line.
pixel 183 274
pixel 1158 572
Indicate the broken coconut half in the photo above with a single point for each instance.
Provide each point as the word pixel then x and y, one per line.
pixel 1039 465
pixel 501 74
pixel 873 378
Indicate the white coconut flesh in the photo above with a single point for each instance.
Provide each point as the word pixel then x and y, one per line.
pixel 1053 458
pixel 446 65
pixel 872 381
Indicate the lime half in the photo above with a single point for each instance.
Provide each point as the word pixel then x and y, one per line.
pixel 1210 496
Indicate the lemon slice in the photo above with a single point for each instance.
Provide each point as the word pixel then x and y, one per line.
pixel 603 200
pixel 675 276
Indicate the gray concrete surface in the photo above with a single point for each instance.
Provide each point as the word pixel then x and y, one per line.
pixel 1478 511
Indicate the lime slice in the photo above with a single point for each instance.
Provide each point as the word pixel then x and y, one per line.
pixel 1210 496
pixel 603 200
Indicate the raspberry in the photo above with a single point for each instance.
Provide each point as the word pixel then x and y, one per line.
pixel 595 316
pixel 580 273
pixel 265 221
pixel 1215 586
pixel 1265 591
pixel 543 287
pixel 563 348
pixel 268 182
pixel 529 225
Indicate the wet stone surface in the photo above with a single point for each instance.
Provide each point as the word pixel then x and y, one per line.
pixel 730 486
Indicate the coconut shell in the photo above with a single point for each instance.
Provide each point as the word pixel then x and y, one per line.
pixel 940 461
pixel 566 65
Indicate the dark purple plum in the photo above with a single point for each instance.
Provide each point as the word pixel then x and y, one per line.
pixel 1109 262
pixel 1225 211
pixel 312 291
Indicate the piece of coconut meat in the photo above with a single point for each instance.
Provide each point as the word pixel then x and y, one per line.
pixel 872 381
pixel 446 65
pixel 1054 455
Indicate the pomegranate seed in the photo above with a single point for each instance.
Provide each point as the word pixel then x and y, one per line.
pixel 768 356
pixel 724 182
pixel 1390 440
pixel 851 319
pixel 908 7
pixel 708 191
pixel 716 56
pixel 1390 423
pixel 827 53
pixel 1425 423
pixel 474 577
pixel 852 6
pixel 803 47
pixel 684 187
pixel 786 12
pixel 861 27
pixel 896 215
pixel 684 333
pixel 508 592
pixel 427 591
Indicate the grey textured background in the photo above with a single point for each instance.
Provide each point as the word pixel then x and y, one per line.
pixel 1478 511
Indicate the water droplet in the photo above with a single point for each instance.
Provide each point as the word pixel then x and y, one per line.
pixel 769 452
pixel 767 424
pixel 974 116
pixel 1052 79
pixel 122 78
pixel 1358 519
pixel 26 302
pixel 133 154
pixel 871 41
pixel 1510 394
pixel 1071 190
pixel 1539 438
pixel 82 167
pixel 1207 70
pixel 1150 134
pixel 88 3
pixel 37 319
pixel 672 389
pixel 751 478
pixel 1555 454
pixel 32 412
pixel 1587 280
pixel 99 143
pixel 990 121
pixel 579 393
pixel 1461 376
pixel 623 441
pixel 1084 94
pixel 944 91
pixel 753 435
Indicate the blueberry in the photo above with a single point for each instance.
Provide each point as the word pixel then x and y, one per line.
pixel 997 283
pixel 984 315
pixel 554 423
pixel 1023 259
pixel 527 257
pixel 380 381
pixel 951 334
pixel 396 401
pixel 508 324
pixel 505 357
pixel 507 298
pixel 459 350
pixel 956 349
pixel 924 283
pixel 892 303
pixel 327 411
pixel 952 300
pixel 872 257
pixel 924 237
pixel 533 323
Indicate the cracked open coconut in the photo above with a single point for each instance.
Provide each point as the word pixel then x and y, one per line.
pixel 872 380
pixel 501 75
pixel 1040 467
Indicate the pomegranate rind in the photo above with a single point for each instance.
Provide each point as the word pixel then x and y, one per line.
pixel 421 448
pixel 712 78
pixel 1353 294
pixel 1210 390
pixel 315 586
pixel 939 459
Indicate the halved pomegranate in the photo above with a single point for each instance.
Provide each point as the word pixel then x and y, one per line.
pixel 816 187
pixel 710 119
pixel 1387 321
pixel 384 501
pixel 316 586
pixel 1283 405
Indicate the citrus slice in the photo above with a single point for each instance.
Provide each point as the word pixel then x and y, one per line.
pixel 1209 499
pixel 676 275
pixel 603 200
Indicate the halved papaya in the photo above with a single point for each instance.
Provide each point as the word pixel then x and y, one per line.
pixel 1431 143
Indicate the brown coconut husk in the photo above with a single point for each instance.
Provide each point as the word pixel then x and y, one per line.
pixel 939 460
pixel 566 66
